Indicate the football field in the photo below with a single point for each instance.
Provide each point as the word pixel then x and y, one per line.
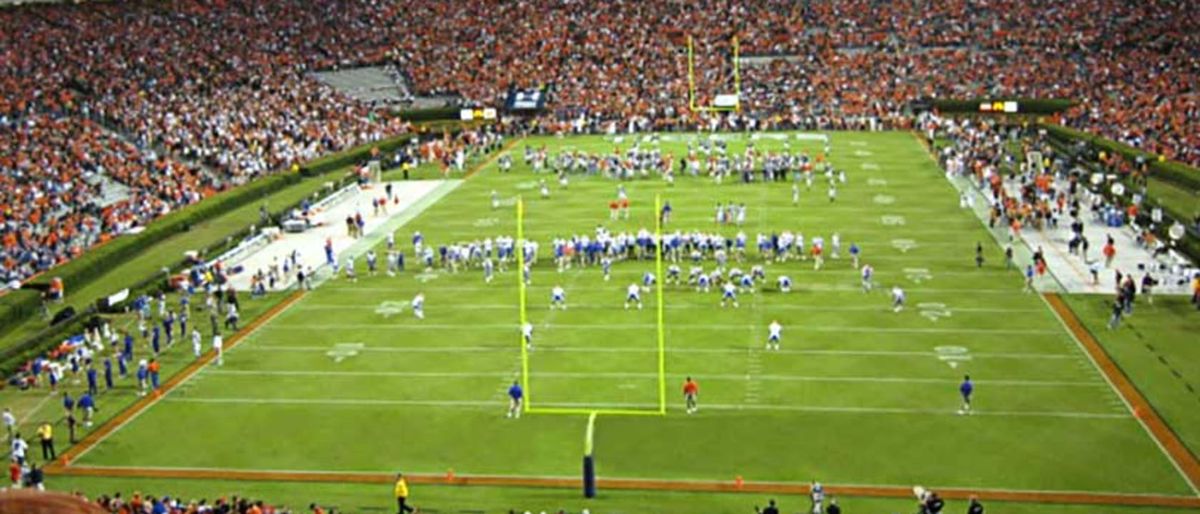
pixel 347 380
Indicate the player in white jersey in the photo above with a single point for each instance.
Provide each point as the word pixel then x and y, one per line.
pixel 487 270
pixel 218 344
pixel 196 343
pixel 897 299
pixel 545 190
pixel 729 294
pixel 775 334
pixel 371 262
pixel 350 270
pixel 418 306
pixel 795 193
pixel 495 200
pixel 606 266
pixel 673 274
pixel 785 284
pixel 835 246
pixel 747 283
pixel 633 295
pixel 527 334
pixel 558 298
pixel 648 279
pixel 868 273
pixel 703 283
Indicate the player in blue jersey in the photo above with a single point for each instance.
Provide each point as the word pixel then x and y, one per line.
pixel 965 389
pixel 747 283
pixel 703 283
pixel 558 298
pixel 673 274
pixel 729 295
pixel 648 279
pixel 633 296
pixel 515 397
pixel 785 283
pixel 854 253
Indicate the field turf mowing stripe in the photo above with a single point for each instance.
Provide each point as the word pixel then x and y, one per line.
pixel 1062 497
pixel 1158 430
pixel 129 414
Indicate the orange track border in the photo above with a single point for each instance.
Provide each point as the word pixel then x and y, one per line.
pixel 1175 449
pixel 634 484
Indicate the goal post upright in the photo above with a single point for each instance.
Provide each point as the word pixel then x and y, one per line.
pixel 521 294
pixel 737 79
pixel 661 329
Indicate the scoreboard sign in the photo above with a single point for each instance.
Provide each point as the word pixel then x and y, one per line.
pixel 998 107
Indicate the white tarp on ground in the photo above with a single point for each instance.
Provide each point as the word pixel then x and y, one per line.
pixel 412 197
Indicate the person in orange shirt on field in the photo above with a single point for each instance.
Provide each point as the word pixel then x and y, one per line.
pixel 691 390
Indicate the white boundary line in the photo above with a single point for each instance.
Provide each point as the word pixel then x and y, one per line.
pixel 619 375
pixel 1117 392
pixel 716 407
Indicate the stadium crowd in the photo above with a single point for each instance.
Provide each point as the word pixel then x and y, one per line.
pixel 180 99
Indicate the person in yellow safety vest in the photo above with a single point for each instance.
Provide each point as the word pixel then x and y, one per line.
pixel 46 436
pixel 401 491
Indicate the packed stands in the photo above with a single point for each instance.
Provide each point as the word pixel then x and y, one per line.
pixel 214 93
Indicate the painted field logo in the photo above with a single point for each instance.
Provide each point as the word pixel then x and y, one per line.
pixel 934 311
pixel 884 199
pixel 343 351
pixel 871 167
pixel 389 308
pixel 486 222
pixel 952 355
pixel 426 276
pixel 918 275
pixel 904 245
pixel 891 220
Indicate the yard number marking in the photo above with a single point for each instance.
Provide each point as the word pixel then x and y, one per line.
pixel 892 220
pixel 872 167
pixel 904 245
pixel 426 276
pixel 341 351
pixel 389 308
pixel 918 275
pixel 884 199
pixel 934 311
pixel 952 355
pixel 486 222
pixel 862 153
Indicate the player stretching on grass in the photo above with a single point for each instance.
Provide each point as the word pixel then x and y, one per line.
pixel 515 394
pixel 966 388
pixel 729 294
pixel 690 391
pixel 633 296
pixel 558 298
pixel 776 333
pixel 418 306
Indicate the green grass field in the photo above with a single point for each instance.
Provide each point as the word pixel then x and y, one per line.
pixel 857 395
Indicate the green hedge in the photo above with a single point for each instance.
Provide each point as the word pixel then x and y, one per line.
pixel 16 306
pixel 1024 105
pixel 1177 173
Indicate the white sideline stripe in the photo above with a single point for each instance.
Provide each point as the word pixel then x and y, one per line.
pixel 576 477
pixel 1117 392
pixel 708 306
pixel 582 375
pixel 634 326
pixel 601 349
pixel 717 407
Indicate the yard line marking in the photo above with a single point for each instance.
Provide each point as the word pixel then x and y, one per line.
pixel 753 375
pixel 707 306
pixel 603 405
pixel 634 326
pixel 131 413
pixel 636 349
pixel 1135 404
pixel 645 484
